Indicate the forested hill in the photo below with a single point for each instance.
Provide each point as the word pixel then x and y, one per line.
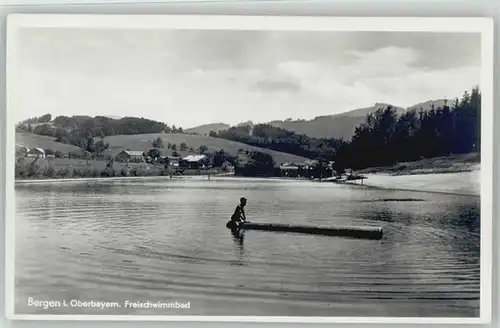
pixel 343 125
pixel 340 126
pixel 76 130
pixel 384 137
pixel 207 128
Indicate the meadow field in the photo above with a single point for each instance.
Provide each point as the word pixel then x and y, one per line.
pixel 144 142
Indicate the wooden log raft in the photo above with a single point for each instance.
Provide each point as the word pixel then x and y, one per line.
pixel 349 231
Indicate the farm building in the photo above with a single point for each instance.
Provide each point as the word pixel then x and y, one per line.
pixel 20 149
pixel 289 170
pixel 36 152
pixel 130 156
pixel 309 164
pixel 158 155
pixel 195 161
pixel 173 160
pixel 109 153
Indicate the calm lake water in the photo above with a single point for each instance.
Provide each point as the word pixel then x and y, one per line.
pixel 166 240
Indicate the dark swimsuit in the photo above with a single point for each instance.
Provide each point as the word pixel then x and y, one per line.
pixel 237 215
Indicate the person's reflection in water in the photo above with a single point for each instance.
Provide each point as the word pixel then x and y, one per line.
pixel 239 237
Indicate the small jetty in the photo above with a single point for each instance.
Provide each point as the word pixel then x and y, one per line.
pixel 349 231
pixel 350 178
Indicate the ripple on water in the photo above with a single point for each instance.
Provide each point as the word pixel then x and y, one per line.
pixel 120 240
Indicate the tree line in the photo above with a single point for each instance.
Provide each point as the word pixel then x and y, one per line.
pixel 183 147
pixel 278 139
pixel 385 137
pixel 34 120
pixel 85 131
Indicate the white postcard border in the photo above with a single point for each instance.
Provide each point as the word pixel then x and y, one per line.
pixel 484 26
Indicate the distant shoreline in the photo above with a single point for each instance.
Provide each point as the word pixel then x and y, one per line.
pixel 437 165
pixel 458 183
pixel 47 180
pixel 415 189
pixel 85 179
pixel 457 175
pixel 425 183
pixel 162 177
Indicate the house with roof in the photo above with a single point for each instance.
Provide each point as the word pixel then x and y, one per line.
pixel 36 152
pixel 289 170
pixel 109 153
pixel 174 161
pixel 136 156
pixel 195 161
pixel 165 155
pixel 22 150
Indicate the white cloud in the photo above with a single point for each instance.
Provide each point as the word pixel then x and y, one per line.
pixel 115 78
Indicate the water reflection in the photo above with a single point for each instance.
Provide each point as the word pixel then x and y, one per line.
pixel 166 239
pixel 239 236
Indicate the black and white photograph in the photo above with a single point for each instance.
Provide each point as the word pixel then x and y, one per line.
pixel 224 168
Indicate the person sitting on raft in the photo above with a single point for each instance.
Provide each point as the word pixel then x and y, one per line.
pixel 239 213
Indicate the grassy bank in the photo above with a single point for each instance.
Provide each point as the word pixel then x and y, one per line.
pixel 63 168
pixel 457 183
pixel 143 142
pixel 457 174
pixel 31 140
pixel 447 164
pixel 28 168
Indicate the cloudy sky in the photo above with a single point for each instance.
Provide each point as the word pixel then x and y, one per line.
pixel 188 78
